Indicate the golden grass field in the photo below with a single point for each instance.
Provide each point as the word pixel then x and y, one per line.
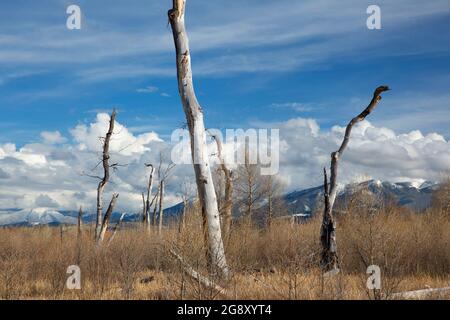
pixel 280 262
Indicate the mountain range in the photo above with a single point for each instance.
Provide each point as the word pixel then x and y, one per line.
pixel 301 203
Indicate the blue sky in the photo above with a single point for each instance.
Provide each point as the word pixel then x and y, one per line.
pixel 251 68
pixel 301 66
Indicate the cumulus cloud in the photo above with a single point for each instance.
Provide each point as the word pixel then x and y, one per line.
pixel 376 152
pixel 89 137
pixel 52 137
pixel 55 175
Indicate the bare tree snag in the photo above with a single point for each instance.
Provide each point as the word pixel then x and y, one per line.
pixel 105 179
pixel 194 117
pixel 226 209
pixel 204 281
pixel 79 222
pixel 155 207
pixel 144 208
pixel 149 192
pixel 108 214
pixel 329 258
pixel 420 294
pixel 161 210
pixel 116 227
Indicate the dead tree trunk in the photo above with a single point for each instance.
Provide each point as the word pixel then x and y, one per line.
pixel 226 209
pixel 79 223
pixel 116 228
pixel 144 208
pixel 161 203
pixel 108 214
pixel 329 258
pixel 155 207
pixel 194 117
pixel 149 192
pixel 105 179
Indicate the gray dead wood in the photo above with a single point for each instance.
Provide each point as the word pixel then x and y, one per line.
pixel 105 179
pixel 226 209
pixel 200 155
pixel 107 217
pixel 329 257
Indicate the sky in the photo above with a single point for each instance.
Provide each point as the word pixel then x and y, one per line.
pixel 304 67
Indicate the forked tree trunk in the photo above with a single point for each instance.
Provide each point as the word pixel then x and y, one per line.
pixel 105 179
pixel 227 207
pixel 329 258
pixel 108 214
pixel 194 117
pixel 149 192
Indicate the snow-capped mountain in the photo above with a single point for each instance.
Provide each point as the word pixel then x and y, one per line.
pixel 37 216
pixel 416 196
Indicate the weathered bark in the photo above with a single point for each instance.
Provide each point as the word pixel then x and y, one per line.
pixel 79 223
pixel 194 117
pixel 204 281
pixel 116 227
pixel 155 207
pixel 144 208
pixel 108 214
pixel 420 294
pixel 105 179
pixel 226 208
pixel 329 259
pixel 161 210
pixel 149 192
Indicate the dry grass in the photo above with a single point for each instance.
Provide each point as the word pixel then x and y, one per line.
pixel 412 250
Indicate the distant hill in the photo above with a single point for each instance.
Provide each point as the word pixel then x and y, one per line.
pixel 416 197
pixel 301 203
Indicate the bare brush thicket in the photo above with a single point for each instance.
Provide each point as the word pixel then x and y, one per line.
pixel 277 262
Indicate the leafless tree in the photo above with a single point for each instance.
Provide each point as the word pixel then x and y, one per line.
pixel 329 258
pixel 249 187
pixel 187 190
pixel 104 180
pixel 225 207
pixel 272 190
pixel 147 203
pixel 200 156
pixel 79 223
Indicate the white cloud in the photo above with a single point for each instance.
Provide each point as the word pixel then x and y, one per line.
pixel 296 106
pixel 123 141
pixel 53 137
pixel 42 174
pixel 373 151
pixel 150 89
